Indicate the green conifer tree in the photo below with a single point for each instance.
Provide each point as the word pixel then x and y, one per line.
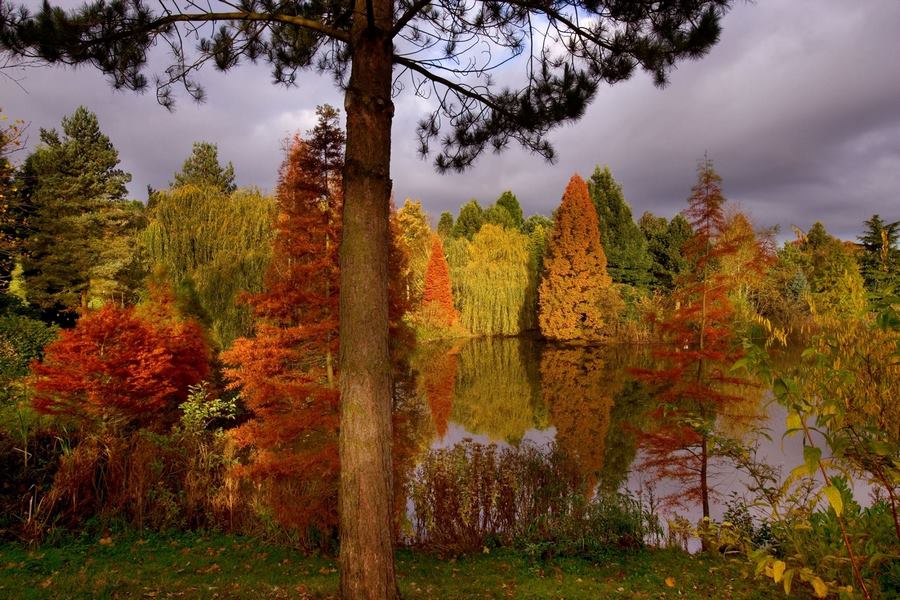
pixel 665 240
pixel 202 167
pixel 71 184
pixel 445 224
pixel 628 260
pixel 509 201
pixel 879 261
pixel 470 220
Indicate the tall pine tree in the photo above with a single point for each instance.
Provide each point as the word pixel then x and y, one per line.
pixel 628 260
pixel 202 167
pixel 70 183
pixel 880 259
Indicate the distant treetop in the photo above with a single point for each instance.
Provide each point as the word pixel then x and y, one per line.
pixel 202 167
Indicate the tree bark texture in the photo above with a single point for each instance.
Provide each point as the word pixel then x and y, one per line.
pixel 367 545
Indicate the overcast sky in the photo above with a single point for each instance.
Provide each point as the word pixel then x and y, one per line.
pixel 798 106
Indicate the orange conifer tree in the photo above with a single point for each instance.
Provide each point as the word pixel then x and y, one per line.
pixel 576 287
pixel 695 387
pixel 438 292
pixel 285 372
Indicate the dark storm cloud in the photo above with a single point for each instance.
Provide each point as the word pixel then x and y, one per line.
pixel 798 106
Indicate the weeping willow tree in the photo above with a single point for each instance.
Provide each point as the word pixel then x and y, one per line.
pixel 215 244
pixel 497 285
pixel 497 392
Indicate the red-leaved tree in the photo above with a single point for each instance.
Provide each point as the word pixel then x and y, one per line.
pixel 695 387
pixel 438 294
pixel 286 372
pixel 123 366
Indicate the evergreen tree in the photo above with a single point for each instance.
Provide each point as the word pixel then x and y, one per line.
pixel 202 168
pixel 497 215
pixel 665 240
pixel 469 221
pixel 880 260
pixel 628 260
pixel 837 290
pixel 576 289
pixel 509 201
pixel 445 225
pixel 71 184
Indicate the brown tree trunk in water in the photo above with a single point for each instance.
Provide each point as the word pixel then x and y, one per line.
pixel 704 489
pixel 366 507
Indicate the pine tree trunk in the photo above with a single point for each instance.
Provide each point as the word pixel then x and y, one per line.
pixel 367 552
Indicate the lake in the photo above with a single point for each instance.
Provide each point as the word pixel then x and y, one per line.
pixel 588 401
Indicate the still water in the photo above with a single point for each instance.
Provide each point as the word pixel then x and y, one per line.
pixel 589 402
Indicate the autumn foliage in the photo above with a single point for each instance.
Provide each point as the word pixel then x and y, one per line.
pixel 576 285
pixel 122 365
pixel 438 292
pixel 695 387
pixel 440 383
pixel 285 372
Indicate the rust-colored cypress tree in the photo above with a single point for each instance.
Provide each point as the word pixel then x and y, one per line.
pixel 576 287
pixel 695 387
pixel 286 372
pixel 438 292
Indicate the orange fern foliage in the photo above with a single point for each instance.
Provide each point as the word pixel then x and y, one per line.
pixel 696 387
pixel 576 287
pixel 123 366
pixel 438 292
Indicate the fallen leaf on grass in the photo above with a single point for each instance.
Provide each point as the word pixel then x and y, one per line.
pixel 670 581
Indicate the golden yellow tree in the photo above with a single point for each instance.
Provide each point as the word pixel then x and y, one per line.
pixel 576 286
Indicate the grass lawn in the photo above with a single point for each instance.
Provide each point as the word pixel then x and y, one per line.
pixel 220 566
